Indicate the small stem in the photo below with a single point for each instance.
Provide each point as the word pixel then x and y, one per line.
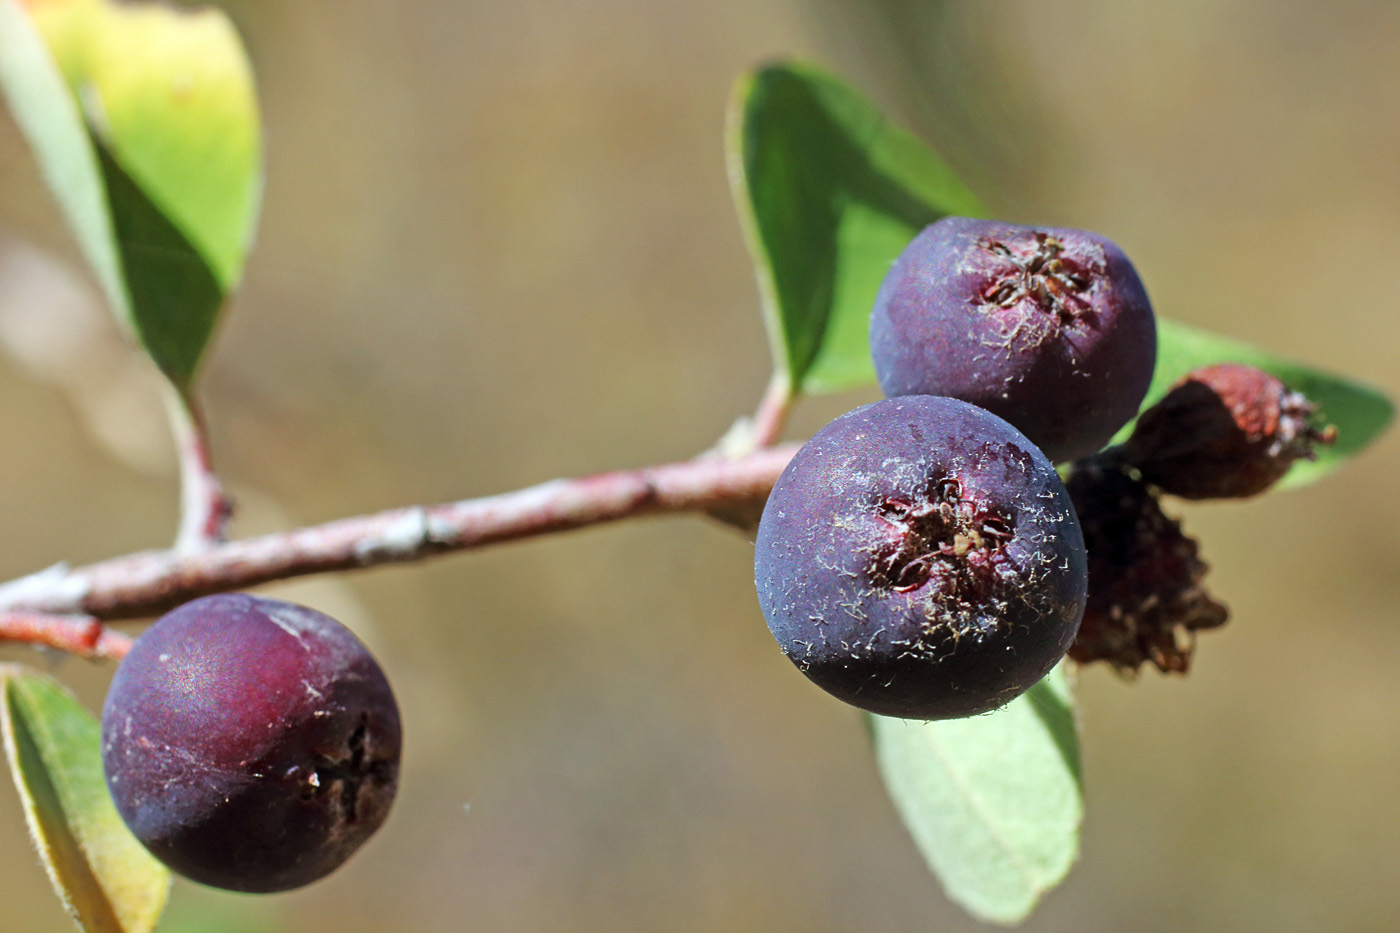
pixel 762 429
pixel 204 507
pixel 772 411
pixel 82 635
pixel 146 583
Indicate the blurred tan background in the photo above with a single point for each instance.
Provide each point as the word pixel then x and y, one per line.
pixel 497 247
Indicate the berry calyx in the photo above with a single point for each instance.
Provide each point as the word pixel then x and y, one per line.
pixel 1035 270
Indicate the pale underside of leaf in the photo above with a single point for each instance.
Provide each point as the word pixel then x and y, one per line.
pixel 993 802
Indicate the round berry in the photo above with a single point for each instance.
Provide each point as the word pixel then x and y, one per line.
pixel 1050 328
pixel 250 744
pixel 920 558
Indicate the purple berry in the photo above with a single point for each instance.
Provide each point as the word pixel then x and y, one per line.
pixel 1049 328
pixel 250 744
pixel 920 558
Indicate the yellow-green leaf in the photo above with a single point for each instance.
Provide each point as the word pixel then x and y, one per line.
pixel 170 92
pixel 105 878
pixel 155 156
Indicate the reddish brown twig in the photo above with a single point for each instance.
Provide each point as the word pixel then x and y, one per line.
pixel 82 635
pixel 150 582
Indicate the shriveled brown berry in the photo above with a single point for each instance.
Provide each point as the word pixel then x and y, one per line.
pixel 1146 601
pixel 1225 431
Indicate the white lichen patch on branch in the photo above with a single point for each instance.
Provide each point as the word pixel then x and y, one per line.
pixel 399 539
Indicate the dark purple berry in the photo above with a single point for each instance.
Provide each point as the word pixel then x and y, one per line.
pixel 920 558
pixel 250 744
pixel 1224 431
pixel 1146 597
pixel 1047 327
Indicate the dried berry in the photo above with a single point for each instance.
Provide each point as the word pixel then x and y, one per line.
pixel 1047 327
pixel 920 558
pixel 1146 601
pixel 250 744
pixel 1224 431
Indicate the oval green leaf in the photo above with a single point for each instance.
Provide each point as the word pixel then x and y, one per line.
pixel 105 878
pixel 828 192
pixel 155 156
pixel 1360 414
pixel 993 802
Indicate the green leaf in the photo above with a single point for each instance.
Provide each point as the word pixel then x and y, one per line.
pixel 175 299
pixel 994 802
pixel 105 878
pixel 828 192
pixel 153 152
pixel 1360 414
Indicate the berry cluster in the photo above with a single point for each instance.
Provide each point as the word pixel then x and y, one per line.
pixel 920 557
